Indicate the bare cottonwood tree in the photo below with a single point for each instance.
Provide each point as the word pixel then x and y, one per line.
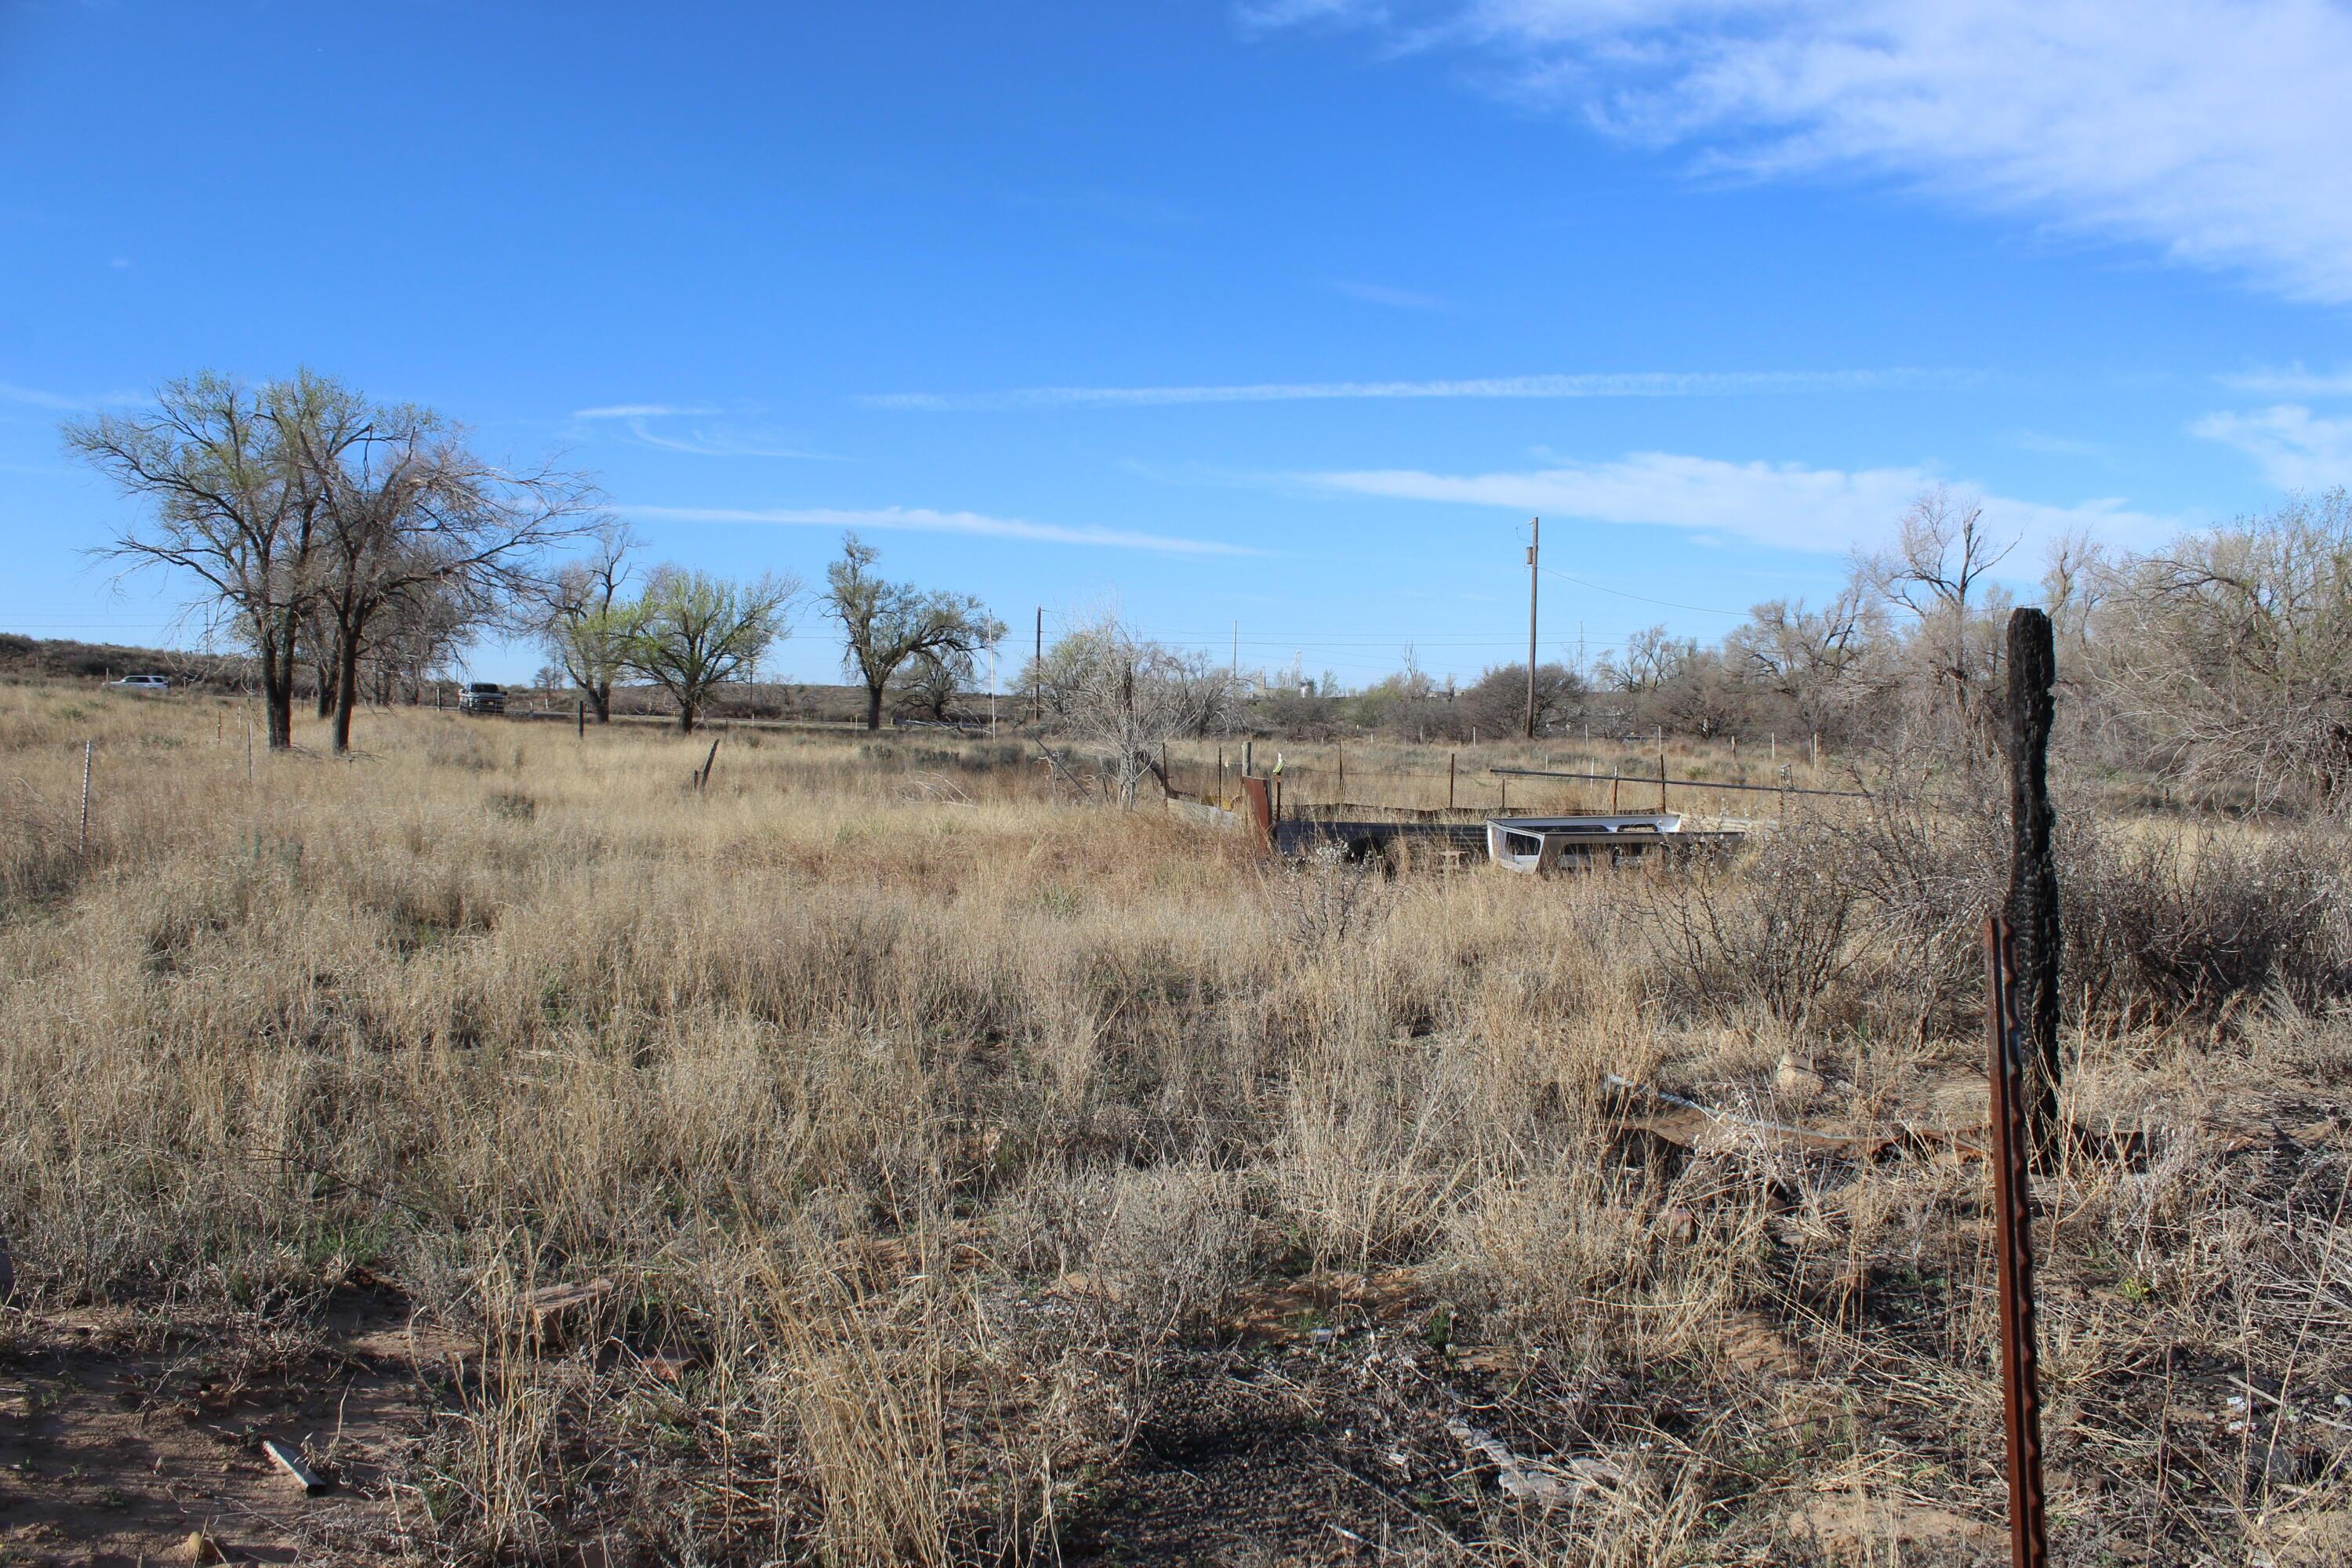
pixel 418 637
pixel 691 632
pixel 885 624
pixel 310 514
pixel 411 512
pixel 1938 570
pixel 586 622
pixel 2231 651
pixel 932 682
pixel 1650 659
pixel 1814 660
pixel 1129 697
pixel 217 464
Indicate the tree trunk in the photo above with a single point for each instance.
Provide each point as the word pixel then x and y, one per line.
pixel 873 707
pixel 600 697
pixel 276 646
pixel 685 713
pixel 347 691
pixel 277 704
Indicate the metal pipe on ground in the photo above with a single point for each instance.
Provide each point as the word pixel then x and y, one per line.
pixel 1686 784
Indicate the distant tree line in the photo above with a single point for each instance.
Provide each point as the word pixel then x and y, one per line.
pixel 2222 660
pixel 352 548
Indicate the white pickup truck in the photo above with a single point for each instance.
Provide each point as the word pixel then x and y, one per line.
pixel 144 685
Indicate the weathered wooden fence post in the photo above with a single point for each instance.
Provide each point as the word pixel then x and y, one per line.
pixel 2032 903
pixel 82 845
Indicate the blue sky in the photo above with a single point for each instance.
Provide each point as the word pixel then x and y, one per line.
pixel 1286 313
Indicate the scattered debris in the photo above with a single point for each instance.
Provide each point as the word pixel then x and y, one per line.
pixel 1544 1483
pixel 1323 1301
pixel 1691 1123
pixel 310 1481
pixel 1797 1076
pixel 201 1547
pixel 1086 1285
pixel 550 1303
pixel 1850 1524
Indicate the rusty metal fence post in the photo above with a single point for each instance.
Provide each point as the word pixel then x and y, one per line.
pixel 2012 1189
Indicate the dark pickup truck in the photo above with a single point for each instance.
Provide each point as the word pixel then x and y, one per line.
pixel 482 696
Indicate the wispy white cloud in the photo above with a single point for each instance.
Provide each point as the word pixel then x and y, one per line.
pixel 923 520
pixel 1393 299
pixel 2294 380
pixel 658 425
pixel 1636 383
pixel 1786 505
pixel 2055 445
pixel 57 401
pixel 641 411
pixel 2209 129
pixel 2294 448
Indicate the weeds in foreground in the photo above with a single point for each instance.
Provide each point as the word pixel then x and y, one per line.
pixel 979 1179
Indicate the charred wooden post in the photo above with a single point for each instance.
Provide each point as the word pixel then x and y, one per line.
pixel 2032 907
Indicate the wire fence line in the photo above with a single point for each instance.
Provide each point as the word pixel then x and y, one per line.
pixel 1333 774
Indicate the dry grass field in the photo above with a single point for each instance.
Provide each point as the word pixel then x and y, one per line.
pixel 869 1159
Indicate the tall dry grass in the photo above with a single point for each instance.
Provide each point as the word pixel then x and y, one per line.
pixel 940 1132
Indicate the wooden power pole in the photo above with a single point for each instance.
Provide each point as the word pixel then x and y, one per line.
pixel 1037 674
pixel 1534 538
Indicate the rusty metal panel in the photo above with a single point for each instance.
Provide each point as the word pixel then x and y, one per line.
pixel 1258 802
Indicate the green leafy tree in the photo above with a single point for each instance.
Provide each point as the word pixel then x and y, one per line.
pixel 587 625
pixel 886 624
pixel 216 462
pixel 691 632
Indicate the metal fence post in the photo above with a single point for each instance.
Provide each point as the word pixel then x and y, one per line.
pixel 2013 1182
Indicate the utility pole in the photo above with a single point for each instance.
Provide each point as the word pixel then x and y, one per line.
pixel 1037 674
pixel 1535 537
pixel 1237 655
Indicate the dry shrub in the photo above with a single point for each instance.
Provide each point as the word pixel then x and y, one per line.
pixel 1169 1246
pixel 868 1393
pixel 1770 930
pixel 2160 928
pixel 1877 914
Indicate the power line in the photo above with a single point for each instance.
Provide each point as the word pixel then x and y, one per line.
pixel 1642 598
